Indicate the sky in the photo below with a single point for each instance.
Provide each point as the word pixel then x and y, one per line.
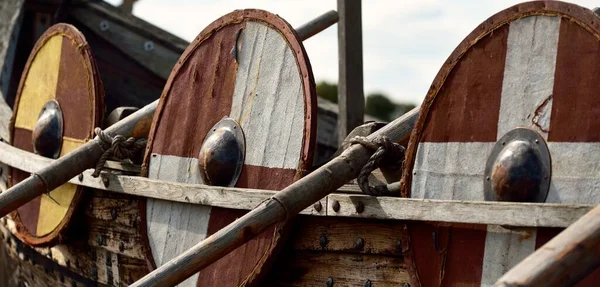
pixel 405 42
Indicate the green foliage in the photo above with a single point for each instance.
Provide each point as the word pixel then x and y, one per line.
pixel 328 91
pixel 377 104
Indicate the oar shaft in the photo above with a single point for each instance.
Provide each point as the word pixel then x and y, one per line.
pixel 563 261
pixel 63 169
pixel 284 205
pixel 317 25
pixel 135 125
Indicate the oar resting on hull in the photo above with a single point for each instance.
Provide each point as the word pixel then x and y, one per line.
pixel 136 125
pixel 281 207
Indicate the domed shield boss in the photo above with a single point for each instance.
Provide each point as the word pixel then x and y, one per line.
pixel 511 116
pixel 239 109
pixel 58 104
pixel 222 154
pixel 518 168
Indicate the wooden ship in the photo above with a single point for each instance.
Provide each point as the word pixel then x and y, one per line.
pixel 132 157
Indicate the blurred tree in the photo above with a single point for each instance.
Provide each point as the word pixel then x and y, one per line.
pixel 380 106
pixel 328 91
pixel 377 104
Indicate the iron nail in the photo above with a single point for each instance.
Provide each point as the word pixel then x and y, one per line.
pixel 323 241
pixel 317 206
pixel 360 207
pixel 80 177
pixel 537 141
pixel 487 178
pixel 105 181
pixel 99 240
pixel 360 244
pixel 336 205
pixel 113 214
pixel 329 281
pixel 503 143
pixel 368 283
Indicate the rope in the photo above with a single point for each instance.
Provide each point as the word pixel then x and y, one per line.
pixel 387 153
pixel 117 147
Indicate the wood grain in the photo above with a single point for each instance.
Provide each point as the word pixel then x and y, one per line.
pixel 365 236
pixel 345 269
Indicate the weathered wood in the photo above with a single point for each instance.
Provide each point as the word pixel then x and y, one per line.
pixel 350 84
pixel 503 213
pixel 454 211
pixel 84 157
pixel 11 16
pixel 563 261
pixel 154 55
pixel 317 25
pixel 344 269
pixel 347 235
pixel 284 205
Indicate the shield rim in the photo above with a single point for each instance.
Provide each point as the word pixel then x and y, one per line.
pixel 571 12
pixel 97 97
pixel 310 125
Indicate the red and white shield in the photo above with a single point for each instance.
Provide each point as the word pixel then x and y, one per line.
pixel 534 65
pixel 249 66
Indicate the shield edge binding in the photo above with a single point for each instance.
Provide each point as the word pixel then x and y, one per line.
pixel 310 123
pixel 71 32
pixel 580 15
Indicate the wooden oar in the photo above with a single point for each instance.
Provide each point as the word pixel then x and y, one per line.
pixel 563 261
pixel 281 207
pixel 136 125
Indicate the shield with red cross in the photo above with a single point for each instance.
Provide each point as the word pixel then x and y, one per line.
pixel 59 102
pixel 529 73
pixel 239 109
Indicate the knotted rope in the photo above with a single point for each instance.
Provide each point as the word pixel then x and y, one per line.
pixel 117 147
pixel 387 153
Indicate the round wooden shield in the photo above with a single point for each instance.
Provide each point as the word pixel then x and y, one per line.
pixel 535 65
pixel 249 66
pixel 61 69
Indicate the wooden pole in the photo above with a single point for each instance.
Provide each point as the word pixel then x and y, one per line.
pixel 86 156
pixel 72 164
pixel 351 99
pixel 281 207
pixel 317 25
pixel 564 260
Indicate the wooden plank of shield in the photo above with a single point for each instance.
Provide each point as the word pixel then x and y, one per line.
pixel 248 65
pixel 534 65
pixel 60 69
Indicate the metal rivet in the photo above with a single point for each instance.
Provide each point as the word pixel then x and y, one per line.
pixel 99 240
pixel 398 246
pixel 121 246
pixel 368 283
pixel 329 281
pixel 360 207
pixel 323 241
pixel 148 46
pixel 360 244
pixel 317 206
pixel 503 143
pixel 113 214
pixel 537 141
pixel 336 206
pixel 105 181
pixel 104 25
pixel 406 285
pixel 80 177
pixel 487 178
